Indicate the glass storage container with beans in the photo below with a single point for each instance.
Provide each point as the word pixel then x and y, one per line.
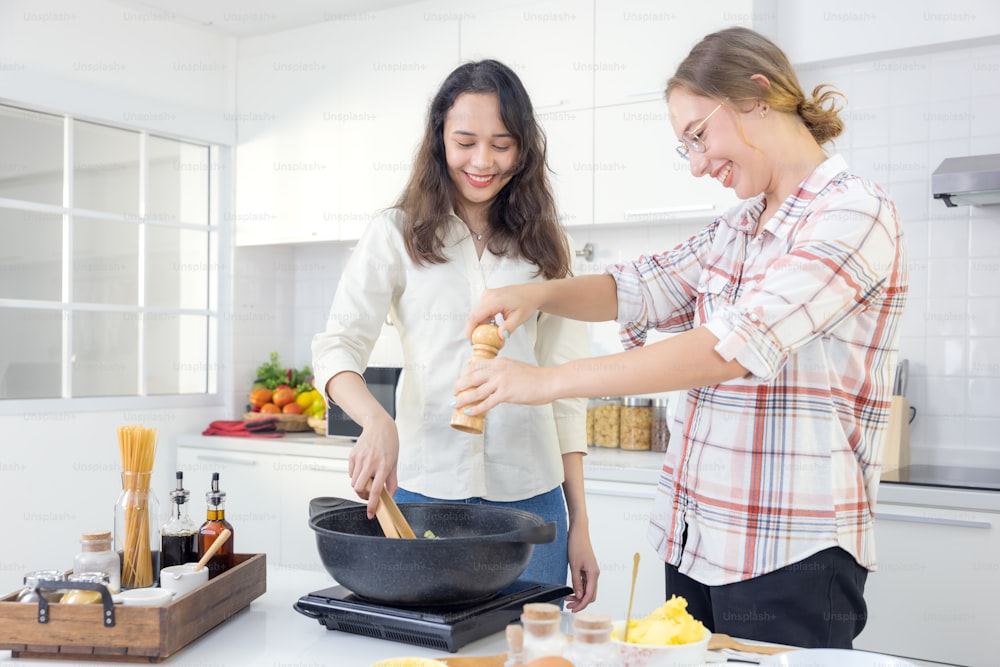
pixel 636 423
pixel 605 413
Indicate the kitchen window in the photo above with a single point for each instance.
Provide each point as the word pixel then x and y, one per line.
pixel 109 256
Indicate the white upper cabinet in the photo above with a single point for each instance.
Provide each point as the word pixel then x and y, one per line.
pixel 548 43
pixel 637 44
pixel 570 153
pixel 638 176
pixel 854 27
pixel 329 117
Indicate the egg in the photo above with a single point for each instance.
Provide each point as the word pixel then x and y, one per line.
pixel 550 662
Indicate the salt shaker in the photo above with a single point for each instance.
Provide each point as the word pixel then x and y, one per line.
pixel 486 343
pixel 542 635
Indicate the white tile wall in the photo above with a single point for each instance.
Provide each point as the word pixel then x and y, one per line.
pixel 904 115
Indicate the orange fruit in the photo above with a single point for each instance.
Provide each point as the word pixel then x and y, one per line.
pixel 269 408
pixel 292 408
pixel 260 396
pixel 283 396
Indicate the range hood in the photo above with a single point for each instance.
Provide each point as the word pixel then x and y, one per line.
pixel 973 180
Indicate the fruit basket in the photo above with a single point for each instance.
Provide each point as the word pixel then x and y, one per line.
pixel 285 394
pixel 289 423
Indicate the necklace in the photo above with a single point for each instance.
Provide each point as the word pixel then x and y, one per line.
pixel 478 235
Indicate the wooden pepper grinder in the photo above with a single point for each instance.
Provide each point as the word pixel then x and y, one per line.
pixel 486 343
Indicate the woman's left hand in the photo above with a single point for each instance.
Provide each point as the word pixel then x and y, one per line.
pixel 584 570
pixel 495 381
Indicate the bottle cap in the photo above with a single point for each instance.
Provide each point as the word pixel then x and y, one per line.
pixel 103 536
pixel 180 495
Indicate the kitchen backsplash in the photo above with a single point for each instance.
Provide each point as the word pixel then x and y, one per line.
pixel 904 115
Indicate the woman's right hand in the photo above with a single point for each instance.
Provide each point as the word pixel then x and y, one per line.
pixel 515 304
pixel 372 461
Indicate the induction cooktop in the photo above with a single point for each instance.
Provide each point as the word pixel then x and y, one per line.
pixel 446 628
pixel 955 477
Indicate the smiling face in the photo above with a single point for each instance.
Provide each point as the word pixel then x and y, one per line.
pixel 729 156
pixel 479 150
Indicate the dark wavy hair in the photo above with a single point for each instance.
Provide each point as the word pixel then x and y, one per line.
pixel 522 217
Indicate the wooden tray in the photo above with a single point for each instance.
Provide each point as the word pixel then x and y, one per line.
pixel 140 634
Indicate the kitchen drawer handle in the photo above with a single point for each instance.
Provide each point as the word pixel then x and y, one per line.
pixel 668 210
pixel 225 459
pixel 639 495
pixel 940 521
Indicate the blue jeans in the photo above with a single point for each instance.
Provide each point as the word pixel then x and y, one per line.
pixel 549 562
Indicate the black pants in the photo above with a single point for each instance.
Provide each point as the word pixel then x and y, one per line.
pixel 815 603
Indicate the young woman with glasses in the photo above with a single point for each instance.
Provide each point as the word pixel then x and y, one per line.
pixel 786 312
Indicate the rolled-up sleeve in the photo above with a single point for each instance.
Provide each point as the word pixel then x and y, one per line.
pixel 560 340
pixel 840 262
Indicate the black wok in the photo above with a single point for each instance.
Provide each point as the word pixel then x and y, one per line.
pixel 478 550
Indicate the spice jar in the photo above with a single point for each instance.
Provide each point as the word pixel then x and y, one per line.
pixel 30 593
pixel 81 596
pixel 515 646
pixel 96 555
pixel 591 645
pixel 606 413
pixel 636 423
pixel 661 425
pixel 542 635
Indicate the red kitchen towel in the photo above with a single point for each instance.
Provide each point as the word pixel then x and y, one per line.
pixel 257 428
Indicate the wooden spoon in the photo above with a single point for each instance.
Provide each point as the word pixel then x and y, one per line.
pixel 216 545
pixel 720 641
pixel 399 521
pixel 631 594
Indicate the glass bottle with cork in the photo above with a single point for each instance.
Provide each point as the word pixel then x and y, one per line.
pixel 179 535
pixel 96 555
pixel 215 523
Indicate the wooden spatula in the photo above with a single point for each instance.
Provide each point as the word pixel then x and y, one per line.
pixel 399 522
pixel 720 641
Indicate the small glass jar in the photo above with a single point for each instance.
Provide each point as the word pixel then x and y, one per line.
pixel 80 596
pixel 606 413
pixel 636 423
pixel 515 646
pixel 96 555
pixel 661 425
pixel 591 645
pixel 543 636
pixel 30 593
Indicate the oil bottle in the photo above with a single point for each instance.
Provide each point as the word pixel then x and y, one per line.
pixel 179 535
pixel 215 523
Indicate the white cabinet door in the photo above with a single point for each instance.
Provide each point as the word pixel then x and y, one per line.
pixel 619 516
pixel 639 43
pixel 570 152
pixel 253 494
pixel 305 478
pixel 934 594
pixel 638 176
pixel 548 43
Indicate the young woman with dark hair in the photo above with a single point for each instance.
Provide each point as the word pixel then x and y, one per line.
pixel 477 212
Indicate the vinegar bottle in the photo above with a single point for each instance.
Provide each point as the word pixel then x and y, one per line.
pixel 215 523
pixel 179 535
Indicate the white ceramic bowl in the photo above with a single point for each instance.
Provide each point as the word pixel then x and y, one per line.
pixel 673 655
pixel 144 597
pixel 409 662
pixel 182 579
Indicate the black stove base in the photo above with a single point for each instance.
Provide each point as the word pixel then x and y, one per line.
pixel 441 628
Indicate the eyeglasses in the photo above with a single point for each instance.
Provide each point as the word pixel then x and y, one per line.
pixel 691 140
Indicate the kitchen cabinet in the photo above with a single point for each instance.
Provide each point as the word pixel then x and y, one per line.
pixel 638 176
pixel 548 43
pixel 253 494
pixel 570 141
pixel 305 478
pixel 934 594
pixel 619 517
pixel 639 43
pixel 859 27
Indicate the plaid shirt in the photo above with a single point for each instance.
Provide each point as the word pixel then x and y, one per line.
pixel 770 468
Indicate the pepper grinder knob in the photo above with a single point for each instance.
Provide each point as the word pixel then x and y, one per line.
pixel 486 343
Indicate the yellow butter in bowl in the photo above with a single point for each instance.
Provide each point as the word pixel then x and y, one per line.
pixel 670 624
pixel 409 662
